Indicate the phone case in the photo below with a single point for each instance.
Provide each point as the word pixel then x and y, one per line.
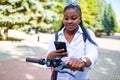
pixel 60 45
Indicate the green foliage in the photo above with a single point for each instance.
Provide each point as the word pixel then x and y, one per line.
pixel 32 12
pixel 97 24
pixel 47 15
pixel 109 21
pixel 89 11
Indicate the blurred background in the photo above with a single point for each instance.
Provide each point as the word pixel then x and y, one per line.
pixel 26 27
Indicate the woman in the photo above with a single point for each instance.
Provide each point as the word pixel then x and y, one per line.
pixel 81 54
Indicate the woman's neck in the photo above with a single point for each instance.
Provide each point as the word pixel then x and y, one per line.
pixel 69 35
pixel 71 32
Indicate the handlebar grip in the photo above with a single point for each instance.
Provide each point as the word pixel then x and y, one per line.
pixel 34 60
pixel 66 66
pixel 49 62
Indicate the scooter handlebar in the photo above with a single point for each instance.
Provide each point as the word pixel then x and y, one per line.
pixel 35 60
pixel 49 62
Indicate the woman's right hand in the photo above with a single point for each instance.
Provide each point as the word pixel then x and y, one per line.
pixel 57 53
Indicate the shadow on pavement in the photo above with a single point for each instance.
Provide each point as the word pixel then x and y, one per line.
pixel 19 69
pixel 20 51
pixel 107 67
pixel 14 67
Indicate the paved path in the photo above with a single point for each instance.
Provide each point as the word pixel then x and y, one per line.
pixel 14 67
pixel 11 50
pixel 107 67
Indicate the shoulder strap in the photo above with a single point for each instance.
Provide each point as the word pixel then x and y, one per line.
pixel 56 36
pixel 84 37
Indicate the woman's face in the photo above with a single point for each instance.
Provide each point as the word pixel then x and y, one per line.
pixel 71 19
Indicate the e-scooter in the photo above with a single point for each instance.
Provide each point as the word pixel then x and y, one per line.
pixel 57 64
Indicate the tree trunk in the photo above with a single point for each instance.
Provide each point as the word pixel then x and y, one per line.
pixel 5 34
pixel 108 33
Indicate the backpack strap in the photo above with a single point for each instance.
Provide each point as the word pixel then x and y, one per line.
pixel 84 37
pixel 56 36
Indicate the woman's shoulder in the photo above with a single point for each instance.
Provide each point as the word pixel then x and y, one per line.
pixel 90 31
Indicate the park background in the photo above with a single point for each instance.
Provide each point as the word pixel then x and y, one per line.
pixel 26 27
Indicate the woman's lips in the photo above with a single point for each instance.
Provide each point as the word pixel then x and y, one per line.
pixel 70 26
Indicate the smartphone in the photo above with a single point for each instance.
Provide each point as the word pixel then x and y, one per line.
pixel 60 45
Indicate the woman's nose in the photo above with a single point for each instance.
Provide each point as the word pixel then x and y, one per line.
pixel 69 21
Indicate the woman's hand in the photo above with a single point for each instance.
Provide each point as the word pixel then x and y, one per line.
pixel 57 53
pixel 75 64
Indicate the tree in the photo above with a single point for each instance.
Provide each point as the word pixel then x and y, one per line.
pixel 98 27
pixel 109 21
pixel 89 9
pixel 33 13
pixel 11 14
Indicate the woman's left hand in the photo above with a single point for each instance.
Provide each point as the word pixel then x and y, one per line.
pixel 75 64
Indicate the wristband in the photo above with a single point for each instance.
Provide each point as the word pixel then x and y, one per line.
pixel 84 60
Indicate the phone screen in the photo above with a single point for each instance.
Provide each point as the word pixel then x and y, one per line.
pixel 60 45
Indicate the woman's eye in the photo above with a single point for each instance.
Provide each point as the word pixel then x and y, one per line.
pixel 74 18
pixel 65 18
